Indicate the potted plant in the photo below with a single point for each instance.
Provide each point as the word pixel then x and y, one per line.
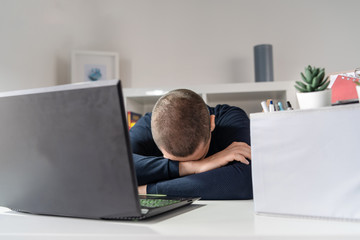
pixel 313 92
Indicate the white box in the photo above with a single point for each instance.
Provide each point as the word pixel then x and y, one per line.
pixel 307 162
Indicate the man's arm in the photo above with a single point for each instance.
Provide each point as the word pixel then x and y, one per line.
pixel 237 151
pixel 151 169
pixel 230 182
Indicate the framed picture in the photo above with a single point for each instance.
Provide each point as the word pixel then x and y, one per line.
pixel 94 66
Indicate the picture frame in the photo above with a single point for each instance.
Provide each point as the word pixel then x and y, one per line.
pixel 94 66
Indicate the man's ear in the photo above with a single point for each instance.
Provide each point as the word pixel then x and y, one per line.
pixel 212 122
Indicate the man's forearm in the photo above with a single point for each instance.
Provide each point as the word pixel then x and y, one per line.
pixel 237 151
pixel 154 169
pixel 230 182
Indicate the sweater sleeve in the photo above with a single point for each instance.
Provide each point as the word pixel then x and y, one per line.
pixel 150 166
pixel 230 182
pixel 150 169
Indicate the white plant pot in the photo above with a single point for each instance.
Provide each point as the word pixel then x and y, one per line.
pixel 308 100
pixel 358 91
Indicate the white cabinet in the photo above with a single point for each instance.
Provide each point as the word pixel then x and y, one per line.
pixel 244 95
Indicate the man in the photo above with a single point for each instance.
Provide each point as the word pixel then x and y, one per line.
pixel 185 148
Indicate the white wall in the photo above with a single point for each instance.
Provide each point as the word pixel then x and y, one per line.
pixel 172 42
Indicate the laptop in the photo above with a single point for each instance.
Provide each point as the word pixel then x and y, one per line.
pixel 65 151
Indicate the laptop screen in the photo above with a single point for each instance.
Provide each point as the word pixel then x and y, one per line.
pixel 65 151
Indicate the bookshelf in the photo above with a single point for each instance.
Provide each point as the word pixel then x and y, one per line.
pixel 244 95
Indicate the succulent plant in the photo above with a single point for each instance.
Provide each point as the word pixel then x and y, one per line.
pixel 313 80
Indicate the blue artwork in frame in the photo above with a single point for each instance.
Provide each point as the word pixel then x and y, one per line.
pixel 95 72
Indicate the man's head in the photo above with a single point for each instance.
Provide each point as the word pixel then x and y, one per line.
pixel 181 125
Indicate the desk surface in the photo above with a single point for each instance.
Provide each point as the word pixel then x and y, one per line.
pixel 202 220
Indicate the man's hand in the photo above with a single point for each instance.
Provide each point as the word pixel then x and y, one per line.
pixel 142 189
pixel 237 151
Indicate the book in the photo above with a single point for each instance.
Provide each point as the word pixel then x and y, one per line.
pixel 132 118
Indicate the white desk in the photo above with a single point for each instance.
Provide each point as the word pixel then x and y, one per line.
pixel 202 220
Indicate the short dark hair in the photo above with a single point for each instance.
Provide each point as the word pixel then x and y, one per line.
pixel 180 122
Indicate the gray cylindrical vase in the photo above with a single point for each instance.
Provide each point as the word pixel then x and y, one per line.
pixel 263 59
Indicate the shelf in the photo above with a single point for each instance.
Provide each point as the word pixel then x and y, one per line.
pixel 244 95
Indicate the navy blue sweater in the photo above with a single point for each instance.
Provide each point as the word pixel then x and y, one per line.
pixel 161 175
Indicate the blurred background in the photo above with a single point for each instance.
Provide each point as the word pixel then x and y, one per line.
pixel 167 42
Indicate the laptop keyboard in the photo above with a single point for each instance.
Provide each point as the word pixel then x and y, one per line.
pixel 155 203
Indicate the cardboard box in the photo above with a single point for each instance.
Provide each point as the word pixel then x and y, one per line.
pixel 307 162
